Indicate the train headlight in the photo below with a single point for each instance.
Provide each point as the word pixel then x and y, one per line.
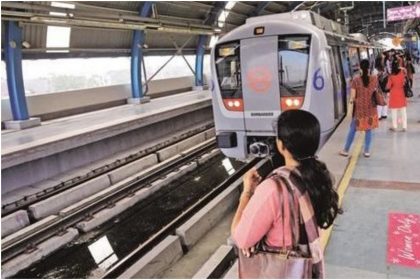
pixel 234 104
pixel 291 102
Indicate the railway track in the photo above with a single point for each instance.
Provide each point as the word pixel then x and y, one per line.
pixel 28 240
pixel 170 228
pixel 25 202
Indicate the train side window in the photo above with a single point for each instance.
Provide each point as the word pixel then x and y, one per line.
pixel 363 53
pixel 354 60
pixel 293 60
pixel 345 60
pixel 371 59
pixel 228 69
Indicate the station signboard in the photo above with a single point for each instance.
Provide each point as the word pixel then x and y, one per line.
pixel 404 239
pixel 403 13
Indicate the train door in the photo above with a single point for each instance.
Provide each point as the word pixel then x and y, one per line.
pixel 260 85
pixel 338 83
pixel 342 77
pixel 345 64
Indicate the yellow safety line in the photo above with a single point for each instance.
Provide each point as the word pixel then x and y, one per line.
pixel 344 183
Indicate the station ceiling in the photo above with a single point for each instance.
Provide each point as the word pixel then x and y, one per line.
pixel 173 24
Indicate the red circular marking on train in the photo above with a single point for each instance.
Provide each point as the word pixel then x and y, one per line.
pixel 259 79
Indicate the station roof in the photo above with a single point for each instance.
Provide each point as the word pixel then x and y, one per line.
pixel 103 28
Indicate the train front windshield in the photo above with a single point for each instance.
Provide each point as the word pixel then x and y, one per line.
pixel 293 61
pixel 228 69
pixel 293 55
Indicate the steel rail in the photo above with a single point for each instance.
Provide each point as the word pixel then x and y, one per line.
pixel 134 256
pixel 29 240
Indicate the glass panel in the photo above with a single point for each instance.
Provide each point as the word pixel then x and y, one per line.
pixel 339 87
pixel 363 53
pixel 354 60
pixel 293 64
pixel 228 68
pixel 346 62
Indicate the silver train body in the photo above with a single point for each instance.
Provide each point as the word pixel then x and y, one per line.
pixel 276 63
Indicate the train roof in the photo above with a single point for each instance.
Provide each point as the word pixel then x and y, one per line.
pixel 330 27
pixel 306 17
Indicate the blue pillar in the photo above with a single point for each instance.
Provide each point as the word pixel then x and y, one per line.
pixel 13 57
pixel 199 60
pixel 137 54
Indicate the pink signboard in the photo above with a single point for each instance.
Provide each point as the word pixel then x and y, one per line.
pixel 403 13
pixel 404 239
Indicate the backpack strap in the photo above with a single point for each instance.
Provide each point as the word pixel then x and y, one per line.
pixel 306 211
pixel 288 196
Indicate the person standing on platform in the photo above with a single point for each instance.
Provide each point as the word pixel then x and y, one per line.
pixel 365 115
pixel 397 100
pixel 382 76
pixel 266 211
pixel 410 69
pixel 388 62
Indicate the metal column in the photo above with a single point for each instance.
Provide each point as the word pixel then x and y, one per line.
pixel 137 57
pixel 13 57
pixel 201 47
pixel 199 60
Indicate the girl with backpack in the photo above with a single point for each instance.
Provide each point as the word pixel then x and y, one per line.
pixel 268 212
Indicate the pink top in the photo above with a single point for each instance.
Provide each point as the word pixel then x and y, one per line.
pixel 263 217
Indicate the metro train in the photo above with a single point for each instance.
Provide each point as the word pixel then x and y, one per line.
pixel 273 63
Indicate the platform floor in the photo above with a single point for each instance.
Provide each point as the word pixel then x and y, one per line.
pixel 87 123
pixel 388 181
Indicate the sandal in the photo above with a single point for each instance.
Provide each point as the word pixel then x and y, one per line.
pixel 392 129
pixel 366 155
pixel 344 153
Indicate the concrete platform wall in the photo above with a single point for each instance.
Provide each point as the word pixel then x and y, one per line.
pixel 49 166
pixel 61 104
